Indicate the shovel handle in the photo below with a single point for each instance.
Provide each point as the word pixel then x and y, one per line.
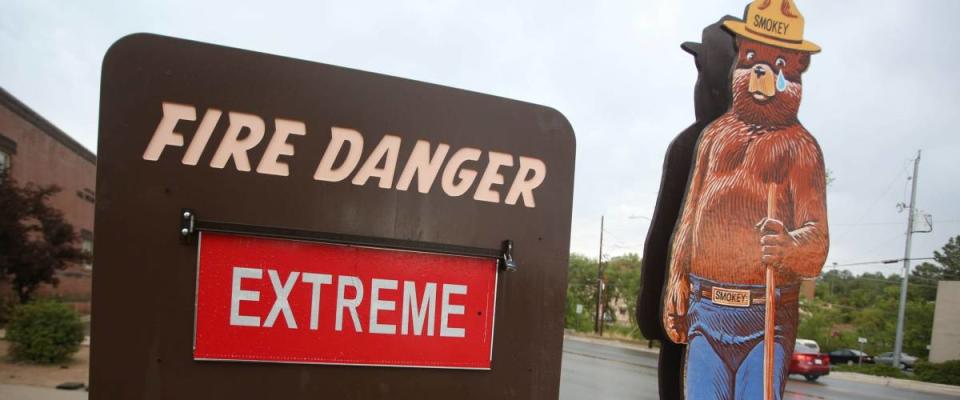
pixel 770 309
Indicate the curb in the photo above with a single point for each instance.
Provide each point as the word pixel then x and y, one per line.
pixel 935 388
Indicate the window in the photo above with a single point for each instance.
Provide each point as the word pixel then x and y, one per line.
pixel 7 149
pixel 4 161
pixel 86 245
pixel 88 195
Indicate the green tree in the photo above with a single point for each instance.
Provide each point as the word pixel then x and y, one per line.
pixel 581 290
pixel 622 282
pixel 35 241
pixel 949 259
pixel 946 266
pixel 622 275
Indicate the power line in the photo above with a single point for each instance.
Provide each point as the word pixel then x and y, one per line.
pixel 946 221
pixel 891 261
pixel 875 202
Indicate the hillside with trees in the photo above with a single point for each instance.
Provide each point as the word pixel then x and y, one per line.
pixel 846 306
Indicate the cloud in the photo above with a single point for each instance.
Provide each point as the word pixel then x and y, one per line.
pixel 883 87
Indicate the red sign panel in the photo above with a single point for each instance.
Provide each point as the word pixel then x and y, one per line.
pixel 288 301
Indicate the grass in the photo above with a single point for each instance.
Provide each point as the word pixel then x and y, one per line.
pixel 873 369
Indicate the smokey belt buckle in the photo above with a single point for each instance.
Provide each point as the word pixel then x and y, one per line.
pixel 730 297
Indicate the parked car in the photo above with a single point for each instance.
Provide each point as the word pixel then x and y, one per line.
pixel 906 361
pixel 808 361
pixel 849 357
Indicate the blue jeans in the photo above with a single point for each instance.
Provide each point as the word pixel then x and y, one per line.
pixel 725 346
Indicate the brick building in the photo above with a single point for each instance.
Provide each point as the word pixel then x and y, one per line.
pixel 35 151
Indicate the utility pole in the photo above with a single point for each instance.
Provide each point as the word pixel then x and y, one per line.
pixel 898 344
pixel 598 323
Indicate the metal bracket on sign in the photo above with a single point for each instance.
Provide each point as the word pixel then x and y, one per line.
pixel 187 225
pixel 190 224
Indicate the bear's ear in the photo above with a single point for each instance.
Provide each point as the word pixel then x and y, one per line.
pixel 804 61
pixel 691 47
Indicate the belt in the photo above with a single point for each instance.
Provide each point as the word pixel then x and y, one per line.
pixel 733 297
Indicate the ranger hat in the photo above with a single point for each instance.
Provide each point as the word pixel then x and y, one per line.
pixel 774 22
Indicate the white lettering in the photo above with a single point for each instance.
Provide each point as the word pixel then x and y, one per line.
pixel 164 135
pixel 343 157
pixel 201 137
pixel 316 280
pixel 237 295
pixel 278 146
pixel 523 186
pixel 447 309
pixel 377 305
pixel 339 136
pixel 350 304
pixel 281 304
pixel 426 310
pixel 233 147
pixel 492 177
pixel 424 166
pixel 386 151
pixel 466 176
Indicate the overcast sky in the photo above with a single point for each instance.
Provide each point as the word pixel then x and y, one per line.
pixel 885 85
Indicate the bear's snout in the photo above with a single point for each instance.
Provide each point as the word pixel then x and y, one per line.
pixel 759 71
pixel 762 82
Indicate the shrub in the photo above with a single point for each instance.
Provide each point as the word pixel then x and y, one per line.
pixel 947 373
pixel 6 308
pixel 44 332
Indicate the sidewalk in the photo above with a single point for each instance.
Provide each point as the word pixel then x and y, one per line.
pixel 48 376
pixel 919 386
pixel 19 392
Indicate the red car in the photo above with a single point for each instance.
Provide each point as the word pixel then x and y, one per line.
pixel 808 361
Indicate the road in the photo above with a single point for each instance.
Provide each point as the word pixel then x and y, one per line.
pixel 602 372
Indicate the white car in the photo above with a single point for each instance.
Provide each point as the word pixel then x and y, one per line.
pixel 906 361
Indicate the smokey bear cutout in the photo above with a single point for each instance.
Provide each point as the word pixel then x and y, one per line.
pixel 713 57
pixel 752 223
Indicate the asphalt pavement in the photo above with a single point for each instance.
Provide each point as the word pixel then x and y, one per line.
pixel 599 371
pixel 595 371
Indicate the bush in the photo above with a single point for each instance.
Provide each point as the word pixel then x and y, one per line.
pixel 624 331
pixel 947 373
pixel 44 332
pixel 6 309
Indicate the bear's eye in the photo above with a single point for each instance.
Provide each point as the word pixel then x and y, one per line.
pixel 781 62
pixel 750 55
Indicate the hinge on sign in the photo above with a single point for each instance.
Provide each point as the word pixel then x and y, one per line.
pixel 190 224
pixel 506 259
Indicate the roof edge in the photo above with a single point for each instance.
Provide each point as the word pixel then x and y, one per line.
pixel 27 113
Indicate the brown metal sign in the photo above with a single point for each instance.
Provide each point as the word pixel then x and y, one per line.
pixel 197 137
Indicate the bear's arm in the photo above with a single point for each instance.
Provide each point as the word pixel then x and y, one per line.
pixel 681 244
pixel 810 239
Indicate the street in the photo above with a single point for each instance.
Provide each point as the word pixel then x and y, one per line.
pixel 598 371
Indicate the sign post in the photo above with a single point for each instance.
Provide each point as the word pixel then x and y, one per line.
pixel 276 228
pixel 862 341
